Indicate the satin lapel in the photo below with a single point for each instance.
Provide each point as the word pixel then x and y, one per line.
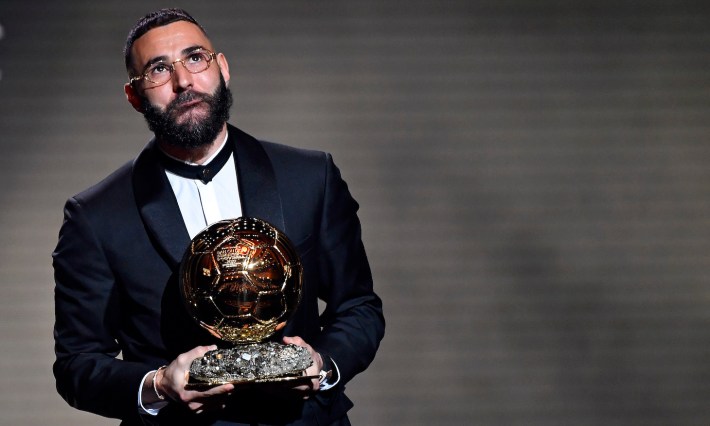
pixel 257 182
pixel 158 206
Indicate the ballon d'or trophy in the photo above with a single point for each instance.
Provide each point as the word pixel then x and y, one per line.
pixel 241 280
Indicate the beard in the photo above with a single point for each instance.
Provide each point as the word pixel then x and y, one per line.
pixel 193 132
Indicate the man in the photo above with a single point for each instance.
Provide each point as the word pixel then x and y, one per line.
pixel 122 240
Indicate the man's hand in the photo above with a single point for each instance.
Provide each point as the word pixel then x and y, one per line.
pixel 170 382
pixel 306 389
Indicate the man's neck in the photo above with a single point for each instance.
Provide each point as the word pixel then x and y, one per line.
pixel 195 155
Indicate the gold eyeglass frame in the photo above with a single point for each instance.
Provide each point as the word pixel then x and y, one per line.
pixel 171 67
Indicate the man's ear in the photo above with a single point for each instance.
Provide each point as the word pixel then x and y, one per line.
pixel 133 98
pixel 223 67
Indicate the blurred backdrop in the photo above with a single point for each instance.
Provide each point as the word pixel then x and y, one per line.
pixel 533 180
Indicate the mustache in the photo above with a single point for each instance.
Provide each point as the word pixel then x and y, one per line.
pixel 183 97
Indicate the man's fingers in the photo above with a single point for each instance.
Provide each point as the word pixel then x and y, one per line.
pixel 219 390
pixel 197 352
pixel 295 340
pixel 207 400
pixel 205 395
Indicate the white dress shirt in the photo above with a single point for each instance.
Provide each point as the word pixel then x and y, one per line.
pixel 202 204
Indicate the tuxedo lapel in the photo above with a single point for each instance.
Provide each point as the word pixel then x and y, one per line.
pixel 158 206
pixel 160 211
pixel 257 182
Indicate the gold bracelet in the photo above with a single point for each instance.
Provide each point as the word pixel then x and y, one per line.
pixel 155 388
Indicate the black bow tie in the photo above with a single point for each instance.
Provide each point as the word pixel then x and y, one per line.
pixel 205 172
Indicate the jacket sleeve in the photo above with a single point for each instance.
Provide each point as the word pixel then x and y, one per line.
pixel 88 374
pixel 352 322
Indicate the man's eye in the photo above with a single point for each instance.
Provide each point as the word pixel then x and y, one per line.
pixel 196 58
pixel 158 69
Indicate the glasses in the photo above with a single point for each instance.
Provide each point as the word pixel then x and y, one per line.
pixel 160 73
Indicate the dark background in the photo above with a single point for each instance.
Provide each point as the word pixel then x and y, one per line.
pixel 532 174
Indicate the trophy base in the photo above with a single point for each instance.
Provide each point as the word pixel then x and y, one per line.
pixel 268 362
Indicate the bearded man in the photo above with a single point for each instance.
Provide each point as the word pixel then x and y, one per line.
pixel 122 240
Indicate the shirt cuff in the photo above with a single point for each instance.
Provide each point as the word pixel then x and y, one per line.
pixel 327 384
pixel 151 409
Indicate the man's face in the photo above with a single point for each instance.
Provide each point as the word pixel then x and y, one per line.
pixel 189 110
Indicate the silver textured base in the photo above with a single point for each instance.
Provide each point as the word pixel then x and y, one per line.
pixel 254 363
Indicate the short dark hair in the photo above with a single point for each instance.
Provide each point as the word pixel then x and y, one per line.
pixel 152 20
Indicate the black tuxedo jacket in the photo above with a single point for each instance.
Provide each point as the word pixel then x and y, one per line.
pixel 116 288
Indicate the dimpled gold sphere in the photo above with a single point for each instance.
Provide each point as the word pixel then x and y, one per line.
pixel 241 279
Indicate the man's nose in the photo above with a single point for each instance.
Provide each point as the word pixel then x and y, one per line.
pixel 182 78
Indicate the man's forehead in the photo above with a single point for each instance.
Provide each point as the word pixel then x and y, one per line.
pixel 168 40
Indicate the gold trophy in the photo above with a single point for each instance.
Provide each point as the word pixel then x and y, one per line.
pixel 241 280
